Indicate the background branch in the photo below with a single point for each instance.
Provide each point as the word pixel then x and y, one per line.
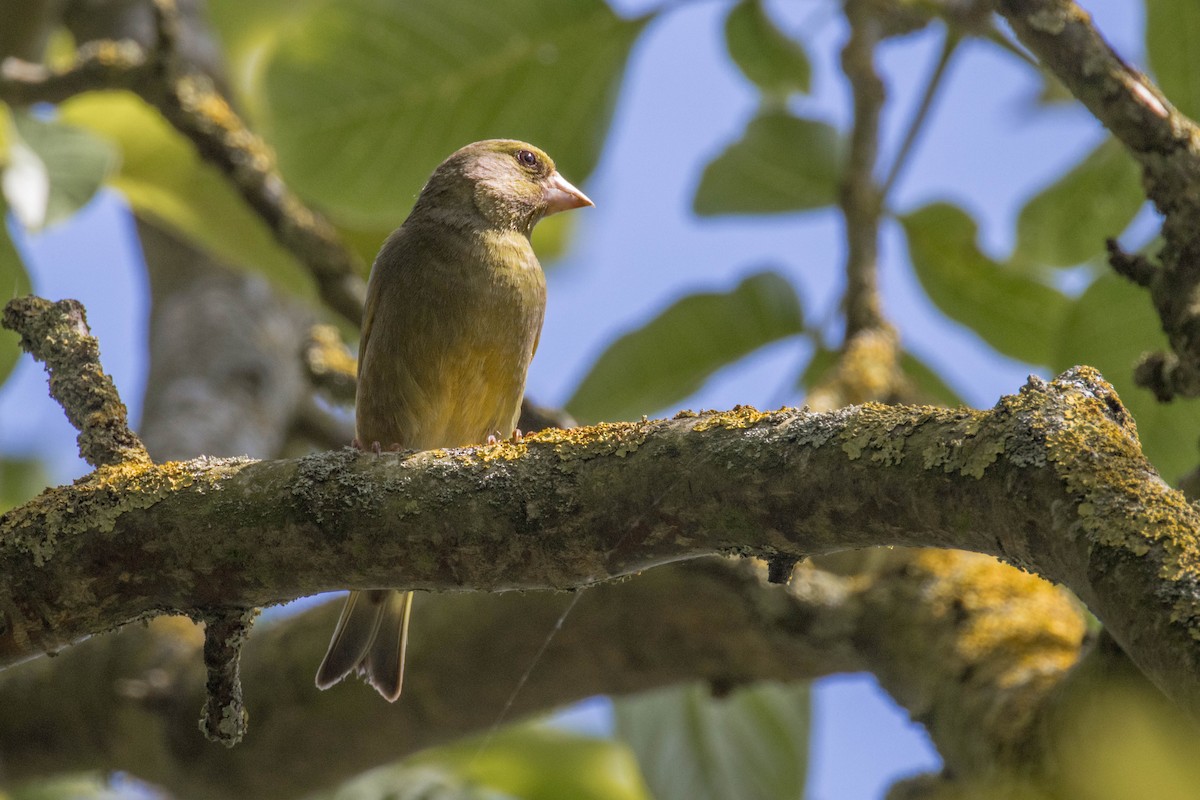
pixel 1167 146
pixel 936 657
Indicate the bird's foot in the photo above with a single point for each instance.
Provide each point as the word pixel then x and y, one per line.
pixel 493 438
pixel 517 437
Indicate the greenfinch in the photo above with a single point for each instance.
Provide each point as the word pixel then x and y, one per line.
pixel 453 314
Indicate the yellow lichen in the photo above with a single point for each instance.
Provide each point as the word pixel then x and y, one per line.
pixel 736 418
pixel 604 438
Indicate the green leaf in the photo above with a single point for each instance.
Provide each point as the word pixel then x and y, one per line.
pixel 363 98
pixel 53 169
pixel 1012 312
pixel 535 762
pixel 671 356
pixel 775 62
pixel 1066 223
pixel 20 480
pixel 1172 30
pixel 781 163
pixel 164 179
pixel 1109 326
pixel 14 282
pixel 411 783
pixel 751 745
pixel 928 382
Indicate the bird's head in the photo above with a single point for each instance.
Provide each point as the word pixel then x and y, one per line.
pixel 510 184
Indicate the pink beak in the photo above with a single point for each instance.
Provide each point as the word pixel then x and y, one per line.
pixel 562 196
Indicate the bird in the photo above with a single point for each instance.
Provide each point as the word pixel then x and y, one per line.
pixel 453 314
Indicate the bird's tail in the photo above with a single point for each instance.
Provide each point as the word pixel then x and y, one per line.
pixel 370 638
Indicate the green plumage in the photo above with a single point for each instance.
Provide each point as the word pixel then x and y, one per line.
pixel 454 310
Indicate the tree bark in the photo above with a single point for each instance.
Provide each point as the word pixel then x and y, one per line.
pixel 1051 480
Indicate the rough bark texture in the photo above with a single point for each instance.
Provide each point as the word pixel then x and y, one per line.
pixel 1051 480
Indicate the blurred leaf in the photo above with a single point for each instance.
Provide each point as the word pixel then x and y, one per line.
pixel 1066 223
pixel 928 382
pixel 411 783
pixel 781 163
pixel 751 745
pixel 535 762
pixel 1109 327
pixel 671 356
pixel 53 169
pixel 164 179
pixel 823 359
pixel 248 34
pixel 1012 312
pixel 14 282
pixel 767 56
pixel 20 480
pixel 1172 30
pixel 363 98
pixel 82 786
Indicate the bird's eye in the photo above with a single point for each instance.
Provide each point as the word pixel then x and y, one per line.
pixel 527 158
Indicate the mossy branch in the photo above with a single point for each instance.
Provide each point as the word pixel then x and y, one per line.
pixel 1051 479
pixel 57 334
pixel 1167 146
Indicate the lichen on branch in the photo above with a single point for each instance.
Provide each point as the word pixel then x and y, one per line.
pixel 57 334
pixel 1051 479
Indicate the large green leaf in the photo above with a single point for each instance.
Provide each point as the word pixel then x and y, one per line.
pixel 671 356
pixel 1172 30
pixel 164 178
pixel 535 762
pixel 363 98
pixel 53 169
pixel 751 745
pixel 775 62
pixel 781 163
pixel 1012 312
pixel 1066 224
pixel 14 282
pixel 1109 327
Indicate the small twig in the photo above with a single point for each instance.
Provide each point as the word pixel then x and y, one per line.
pixel 949 45
pixel 1134 266
pixel 224 717
pixel 108 64
pixel 57 334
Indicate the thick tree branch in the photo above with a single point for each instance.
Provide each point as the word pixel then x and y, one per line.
pixel 58 335
pixel 1166 145
pixel 189 100
pixel 946 631
pixel 1051 479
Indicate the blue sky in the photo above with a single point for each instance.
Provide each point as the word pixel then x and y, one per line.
pixel 986 148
